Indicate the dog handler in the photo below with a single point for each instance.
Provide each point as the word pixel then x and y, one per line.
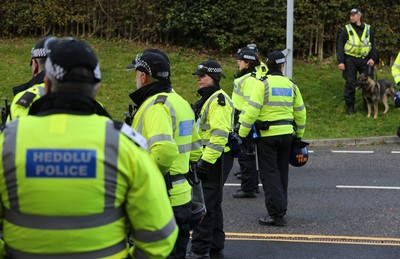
pixel 356 51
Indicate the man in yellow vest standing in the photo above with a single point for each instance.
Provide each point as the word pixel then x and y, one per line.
pixel 25 94
pixel 356 52
pixel 167 121
pixel 71 181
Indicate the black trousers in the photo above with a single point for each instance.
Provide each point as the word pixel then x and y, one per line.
pixel 209 234
pixel 354 65
pixel 247 163
pixel 182 217
pixel 273 157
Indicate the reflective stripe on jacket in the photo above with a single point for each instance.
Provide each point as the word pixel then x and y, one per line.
pixel 170 127
pixel 242 89
pixel 22 101
pixel 69 187
pixel 215 123
pixel 275 99
pixel 355 46
pixel 396 69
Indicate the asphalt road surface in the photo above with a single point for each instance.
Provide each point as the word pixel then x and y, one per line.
pixel 344 203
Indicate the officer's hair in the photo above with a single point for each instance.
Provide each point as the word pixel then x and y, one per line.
pixel 41 62
pixel 79 87
pixel 253 63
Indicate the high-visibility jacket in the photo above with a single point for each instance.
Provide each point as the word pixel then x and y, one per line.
pixel 261 70
pixel 242 87
pixel 22 101
pixel 356 46
pixel 69 188
pixel 396 69
pixel 166 120
pixel 277 100
pixel 215 124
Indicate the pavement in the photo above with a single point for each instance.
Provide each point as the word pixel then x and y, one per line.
pixel 340 142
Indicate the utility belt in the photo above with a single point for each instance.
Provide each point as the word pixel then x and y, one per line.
pixel 264 125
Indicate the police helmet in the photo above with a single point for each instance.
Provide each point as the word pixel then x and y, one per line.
pixel 397 99
pixel 298 156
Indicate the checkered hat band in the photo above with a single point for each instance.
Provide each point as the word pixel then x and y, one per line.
pixel 55 70
pixel 210 69
pixel 38 53
pixel 142 63
pixel 59 72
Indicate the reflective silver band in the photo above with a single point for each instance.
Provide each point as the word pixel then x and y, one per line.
pixel 147 236
pixel 10 174
pixel 63 222
pixel 220 133
pixel 246 125
pixel 196 145
pixel 215 147
pixel 300 108
pixel 105 252
pixel 255 105
pixel 160 137
pixel 396 66
pixel 185 148
pixel 110 165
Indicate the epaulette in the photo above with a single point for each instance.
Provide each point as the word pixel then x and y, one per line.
pixel 221 99
pixel 132 134
pixel 26 99
pixel 161 99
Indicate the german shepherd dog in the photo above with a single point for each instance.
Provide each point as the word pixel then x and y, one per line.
pixel 375 91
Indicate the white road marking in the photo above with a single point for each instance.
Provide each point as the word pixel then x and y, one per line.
pixel 395 152
pixel 367 187
pixel 353 151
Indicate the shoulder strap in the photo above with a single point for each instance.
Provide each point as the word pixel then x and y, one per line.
pixel 131 133
pixel 161 99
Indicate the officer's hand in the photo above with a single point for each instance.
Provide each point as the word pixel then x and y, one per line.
pixel 203 168
pixel 341 66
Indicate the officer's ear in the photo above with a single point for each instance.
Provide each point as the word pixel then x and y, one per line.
pixel 34 67
pixel 47 85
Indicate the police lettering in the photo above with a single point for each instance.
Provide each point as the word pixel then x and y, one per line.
pixel 61 170
pixel 61 163
pixel 65 157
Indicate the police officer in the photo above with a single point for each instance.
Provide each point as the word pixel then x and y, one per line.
pixel 215 119
pixel 244 82
pixel 261 69
pixel 356 52
pixel 396 70
pixel 72 180
pixel 275 107
pixel 26 94
pixel 167 121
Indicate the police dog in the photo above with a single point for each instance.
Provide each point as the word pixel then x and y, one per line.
pixel 375 91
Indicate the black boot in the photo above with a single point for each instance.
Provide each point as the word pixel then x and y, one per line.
pixel 350 109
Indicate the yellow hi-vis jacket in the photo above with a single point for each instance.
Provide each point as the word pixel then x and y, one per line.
pixel 242 88
pixel 166 120
pixel 215 124
pixel 355 46
pixel 23 100
pixel 73 187
pixel 275 99
pixel 396 69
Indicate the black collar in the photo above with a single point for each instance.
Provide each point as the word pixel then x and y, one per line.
pixel 56 103
pixel 141 94
pixel 38 79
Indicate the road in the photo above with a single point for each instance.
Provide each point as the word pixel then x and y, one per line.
pixel 344 203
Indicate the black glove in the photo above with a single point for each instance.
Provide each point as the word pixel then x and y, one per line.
pixel 398 132
pixel 203 168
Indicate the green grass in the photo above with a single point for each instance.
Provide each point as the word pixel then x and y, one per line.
pixel 321 85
